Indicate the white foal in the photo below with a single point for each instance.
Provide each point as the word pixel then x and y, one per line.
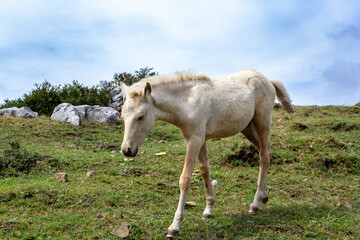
pixel 204 108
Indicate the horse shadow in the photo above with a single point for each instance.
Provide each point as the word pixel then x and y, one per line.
pixel 274 222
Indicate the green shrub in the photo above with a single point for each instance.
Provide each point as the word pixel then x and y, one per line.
pixel 45 97
pixel 78 94
pixel 16 160
pixel 130 79
pixel 13 103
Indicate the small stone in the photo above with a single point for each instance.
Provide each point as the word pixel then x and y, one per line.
pixel 190 204
pixel 160 154
pixel 91 173
pixel 214 182
pixel 123 231
pixel 61 177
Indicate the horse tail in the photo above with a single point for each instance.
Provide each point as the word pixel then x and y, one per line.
pixel 283 96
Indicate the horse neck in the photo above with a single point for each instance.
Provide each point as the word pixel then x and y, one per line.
pixel 168 101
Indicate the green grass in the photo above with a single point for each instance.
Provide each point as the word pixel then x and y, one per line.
pixel 313 181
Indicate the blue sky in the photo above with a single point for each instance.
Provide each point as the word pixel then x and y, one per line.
pixel 313 47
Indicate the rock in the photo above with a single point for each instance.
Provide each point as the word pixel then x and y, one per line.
pixel 116 91
pixel 26 112
pixel 123 231
pixel 160 154
pixel 91 173
pixel 65 112
pixel 190 204
pixel 23 112
pixel 61 177
pixel 8 111
pixel 82 110
pixel 117 100
pixel 102 115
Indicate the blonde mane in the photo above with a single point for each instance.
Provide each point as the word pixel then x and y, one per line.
pixel 178 77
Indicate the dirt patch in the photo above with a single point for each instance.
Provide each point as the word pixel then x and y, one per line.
pixel 310 111
pixel 134 172
pixel 343 126
pixel 244 156
pixel 300 126
pixel 337 163
pixel 109 148
pixel 72 135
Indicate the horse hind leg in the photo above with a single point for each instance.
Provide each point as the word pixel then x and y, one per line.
pixel 205 172
pixel 262 129
pixel 250 133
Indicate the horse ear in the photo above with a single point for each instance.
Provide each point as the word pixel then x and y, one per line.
pixel 147 90
pixel 124 88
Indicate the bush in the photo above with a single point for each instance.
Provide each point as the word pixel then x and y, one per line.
pixel 13 103
pixel 78 94
pixel 130 79
pixel 15 160
pixel 45 97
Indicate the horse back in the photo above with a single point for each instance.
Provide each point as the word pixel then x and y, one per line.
pixel 234 99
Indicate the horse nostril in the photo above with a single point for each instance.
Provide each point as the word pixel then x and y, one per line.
pixel 128 151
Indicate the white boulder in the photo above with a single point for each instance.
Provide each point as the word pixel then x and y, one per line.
pixel 66 112
pixel 23 112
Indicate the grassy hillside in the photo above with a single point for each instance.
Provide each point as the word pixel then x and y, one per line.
pixel 313 181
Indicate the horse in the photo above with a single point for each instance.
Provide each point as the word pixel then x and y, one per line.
pixel 204 108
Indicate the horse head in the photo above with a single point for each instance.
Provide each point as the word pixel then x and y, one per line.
pixel 138 114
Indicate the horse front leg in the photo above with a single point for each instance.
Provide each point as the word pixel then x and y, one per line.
pixel 192 153
pixel 205 172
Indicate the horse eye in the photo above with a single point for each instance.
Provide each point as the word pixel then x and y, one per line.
pixel 141 117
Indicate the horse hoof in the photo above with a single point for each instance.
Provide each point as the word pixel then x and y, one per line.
pixel 265 200
pixel 171 233
pixel 204 216
pixel 253 210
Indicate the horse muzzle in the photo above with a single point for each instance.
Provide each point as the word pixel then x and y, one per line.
pixel 128 152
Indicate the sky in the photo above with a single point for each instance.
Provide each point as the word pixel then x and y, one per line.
pixel 313 47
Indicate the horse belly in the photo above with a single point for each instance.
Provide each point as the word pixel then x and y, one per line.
pixel 225 129
pixel 230 119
